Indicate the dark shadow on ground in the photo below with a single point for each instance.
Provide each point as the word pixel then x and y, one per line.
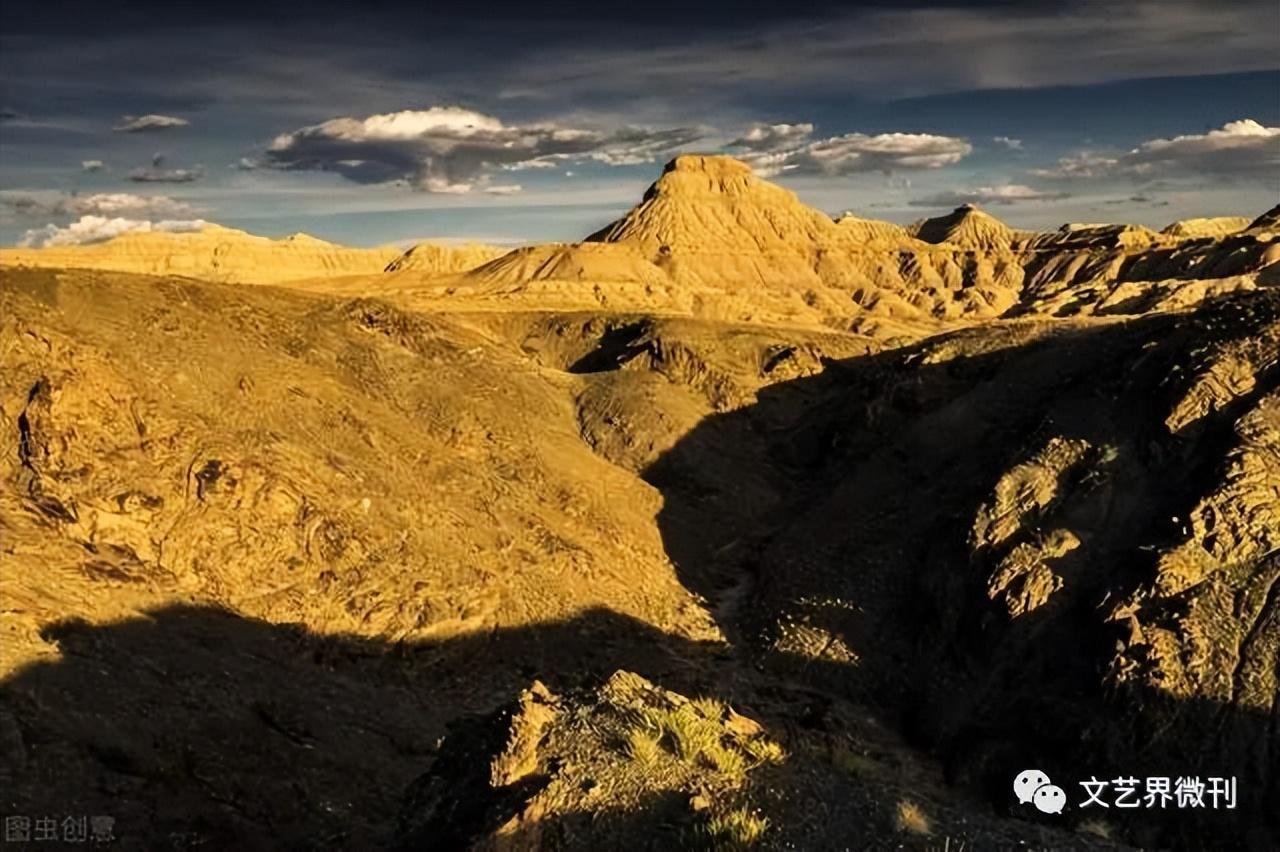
pixel 862 488
pixel 198 728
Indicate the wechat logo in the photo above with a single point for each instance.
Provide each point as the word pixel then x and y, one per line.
pixel 1034 786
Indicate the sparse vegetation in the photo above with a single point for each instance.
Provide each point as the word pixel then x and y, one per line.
pixel 690 732
pixel 709 707
pixel 853 763
pixel 726 759
pixel 910 818
pixel 642 744
pixel 1096 827
pixel 694 733
pixel 736 829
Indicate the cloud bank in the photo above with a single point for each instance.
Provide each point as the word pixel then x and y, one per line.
pixel 1014 193
pixel 96 229
pixel 455 150
pixel 96 204
pixel 787 148
pixel 1237 150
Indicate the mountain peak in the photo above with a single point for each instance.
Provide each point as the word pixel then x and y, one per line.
pixel 967 226
pixel 705 203
pixel 712 164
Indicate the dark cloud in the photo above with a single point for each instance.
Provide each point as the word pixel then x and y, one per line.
pixel 158 173
pixel 149 123
pixel 147 16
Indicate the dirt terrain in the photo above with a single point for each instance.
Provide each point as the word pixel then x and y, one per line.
pixel 731 526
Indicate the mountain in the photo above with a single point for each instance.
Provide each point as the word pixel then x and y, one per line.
pixel 1215 227
pixel 711 239
pixel 215 253
pixel 435 259
pixel 967 227
pixel 1127 269
pixel 733 524
pixel 870 230
pixel 1267 223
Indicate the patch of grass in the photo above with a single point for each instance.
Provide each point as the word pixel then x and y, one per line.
pixel 764 750
pixel 694 733
pixel 736 829
pixel 851 762
pixel 726 760
pixel 709 707
pixel 910 818
pixel 688 731
pixel 642 744
pixel 1096 827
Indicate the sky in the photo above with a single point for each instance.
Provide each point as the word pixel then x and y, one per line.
pixel 393 122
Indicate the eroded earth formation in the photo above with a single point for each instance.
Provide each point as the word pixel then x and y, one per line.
pixel 733 525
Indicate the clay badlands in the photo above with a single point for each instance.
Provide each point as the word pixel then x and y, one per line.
pixel 731 525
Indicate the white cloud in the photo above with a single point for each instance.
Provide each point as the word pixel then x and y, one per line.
pixel 96 204
pixel 1238 149
pixel 503 189
pixel 96 229
pixel 1013 193
pixel 455 150
pixel 1081 165
pixel 1008 142
pixel 779 148
pixel 773 137
pixel 116 203
pixel 148 123
pixel 92 165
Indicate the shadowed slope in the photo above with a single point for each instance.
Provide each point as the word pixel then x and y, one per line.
pixel 987 535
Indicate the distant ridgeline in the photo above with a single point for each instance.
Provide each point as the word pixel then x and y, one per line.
pixel 711 239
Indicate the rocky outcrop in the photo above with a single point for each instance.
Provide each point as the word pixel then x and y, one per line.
pixel 633 765
pixel 1126 269
pixel 871 230
pixel 1214 227
pixel 966 227
pixel 434 259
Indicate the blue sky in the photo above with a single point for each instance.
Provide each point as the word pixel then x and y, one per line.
pixel 394 122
